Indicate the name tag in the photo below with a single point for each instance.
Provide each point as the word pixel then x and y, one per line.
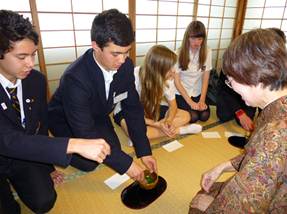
pixel 120 97
pixel 117 108
pixel 3 105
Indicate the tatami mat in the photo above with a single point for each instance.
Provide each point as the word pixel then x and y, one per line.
pixel 86 193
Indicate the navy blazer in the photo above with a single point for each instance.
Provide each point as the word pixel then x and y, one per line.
pixel 79 108
pixel 29 143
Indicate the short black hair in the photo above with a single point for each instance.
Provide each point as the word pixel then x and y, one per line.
pixel 14 27
pixel 112 26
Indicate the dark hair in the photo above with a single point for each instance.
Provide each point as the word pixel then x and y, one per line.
pixel 279 32
pixel 112 26
pixel 258 56
pixel 14 27
pixel 194 29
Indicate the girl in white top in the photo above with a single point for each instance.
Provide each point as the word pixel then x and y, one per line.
pixel 192 75
pixel 155 85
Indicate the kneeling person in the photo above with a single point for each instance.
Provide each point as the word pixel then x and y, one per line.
pixel 25 147
pixel 92 86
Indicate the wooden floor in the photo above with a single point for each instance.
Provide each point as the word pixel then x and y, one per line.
pixel 86 193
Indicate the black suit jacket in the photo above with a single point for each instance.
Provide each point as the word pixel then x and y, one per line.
pixel 79 108
pixel 29 143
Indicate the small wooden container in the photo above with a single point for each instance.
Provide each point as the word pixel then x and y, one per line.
pixel 151 180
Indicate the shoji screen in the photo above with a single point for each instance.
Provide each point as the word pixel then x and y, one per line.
pixel 65 29
pixel 65 25
pixel 22 7
pixel 265 14
pixel 164 22
pixel 218 17
pixel 156 23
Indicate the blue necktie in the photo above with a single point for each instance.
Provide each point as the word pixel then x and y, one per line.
pixel 14 101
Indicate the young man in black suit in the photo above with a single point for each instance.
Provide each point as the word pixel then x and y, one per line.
pixel 93 86
pixel 25 148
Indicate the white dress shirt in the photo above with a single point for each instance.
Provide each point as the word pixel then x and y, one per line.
pixel 191 78
pixel 108 77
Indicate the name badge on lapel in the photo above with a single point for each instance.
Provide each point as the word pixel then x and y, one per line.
pixel 3 105
pixel 120 97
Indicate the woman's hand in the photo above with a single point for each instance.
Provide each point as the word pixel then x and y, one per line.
pixel 201 202
pixel 194 105
pixel 167 128
pixel 208 178
pixel 202 106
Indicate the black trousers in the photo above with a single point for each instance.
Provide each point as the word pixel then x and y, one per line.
pixel 103 128
pixel 228 102
pixel 107 133
pixel 226 108
pixel 32 182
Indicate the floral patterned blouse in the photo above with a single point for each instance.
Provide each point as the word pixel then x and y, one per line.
pixel 260 185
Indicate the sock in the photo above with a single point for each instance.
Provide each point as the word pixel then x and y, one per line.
pixel 190 129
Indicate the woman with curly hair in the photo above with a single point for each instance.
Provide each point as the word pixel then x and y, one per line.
pixel 255 65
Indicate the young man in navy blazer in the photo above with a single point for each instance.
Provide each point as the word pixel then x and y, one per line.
pixel 25 148
pixel 93 86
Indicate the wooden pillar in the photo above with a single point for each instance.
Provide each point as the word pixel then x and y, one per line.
pixel 132 16
pixel 195 9
pixel 41 58
pixel 239 20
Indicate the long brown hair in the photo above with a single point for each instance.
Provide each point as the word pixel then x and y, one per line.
pixel 158 61
pixel 194 29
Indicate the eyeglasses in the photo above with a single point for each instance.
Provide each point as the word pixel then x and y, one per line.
pixel 228 83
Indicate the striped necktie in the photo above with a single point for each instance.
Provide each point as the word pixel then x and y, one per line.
pixel 15 101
